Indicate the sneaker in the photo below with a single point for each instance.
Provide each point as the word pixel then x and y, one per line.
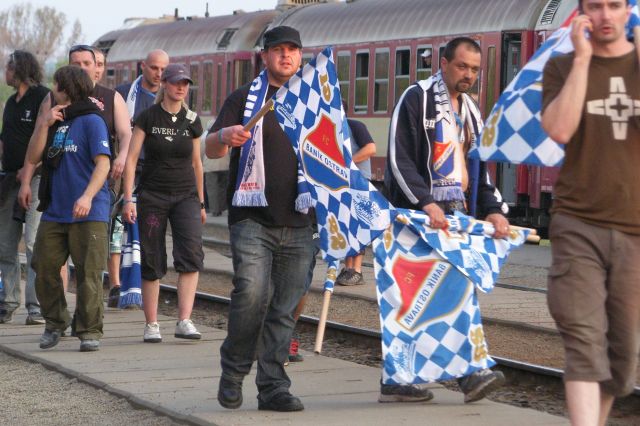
pixel 294 356
pixel 6 316
pixel 89 345
pixel 49 338
pixel 229 394
pixel 343 275
pixel 283 402
pixel 34 318
pixel 186 330
pixel 404 393
pixel 114 297
pixel 480 383
pixel 152 333
pixel 355 278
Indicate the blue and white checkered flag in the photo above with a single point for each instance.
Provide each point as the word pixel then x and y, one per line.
pixel 513 131
pixel 350 211
pixel 429 311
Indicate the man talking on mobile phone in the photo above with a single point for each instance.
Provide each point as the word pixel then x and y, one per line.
pixel 591 103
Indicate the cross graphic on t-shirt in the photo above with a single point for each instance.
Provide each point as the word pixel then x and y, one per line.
pixel 619 107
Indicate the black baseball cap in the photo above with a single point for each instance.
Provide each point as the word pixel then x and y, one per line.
pixel 174 73
pixel 281 35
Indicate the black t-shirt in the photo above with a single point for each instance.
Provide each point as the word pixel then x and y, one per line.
pixel 168 162
pixel 280 164
pixel 18 123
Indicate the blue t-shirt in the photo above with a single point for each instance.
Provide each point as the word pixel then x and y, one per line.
pixel 360 137
pixel 83 139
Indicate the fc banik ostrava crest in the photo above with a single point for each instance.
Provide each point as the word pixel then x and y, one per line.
pixel 322 156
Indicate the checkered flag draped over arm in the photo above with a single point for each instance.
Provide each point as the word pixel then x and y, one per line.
pixel 350 211
pixel 513 131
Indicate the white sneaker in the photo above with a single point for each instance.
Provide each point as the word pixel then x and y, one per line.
pixel 186 330
pixel 152 333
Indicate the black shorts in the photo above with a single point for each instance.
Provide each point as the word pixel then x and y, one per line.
pixel 183 212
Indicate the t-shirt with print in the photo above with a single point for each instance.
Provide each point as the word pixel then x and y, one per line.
pixel 360 137
pixel 83 138
pixel 168 146
pixel 280 168
pixel 18 123
pixel 598 182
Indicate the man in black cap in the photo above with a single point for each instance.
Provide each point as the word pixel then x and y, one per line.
pixel 271 242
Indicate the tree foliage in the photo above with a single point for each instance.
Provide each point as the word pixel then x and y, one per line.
pixel 38 30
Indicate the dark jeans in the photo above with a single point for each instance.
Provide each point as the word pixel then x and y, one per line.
pixel 87 243
pixel 271 267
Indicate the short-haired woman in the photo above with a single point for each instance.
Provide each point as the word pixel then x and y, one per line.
pixel 170 189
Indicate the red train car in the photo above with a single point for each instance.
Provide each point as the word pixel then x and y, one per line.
pixel 378 47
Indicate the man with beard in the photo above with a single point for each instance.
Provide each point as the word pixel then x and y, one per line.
pixel 427 169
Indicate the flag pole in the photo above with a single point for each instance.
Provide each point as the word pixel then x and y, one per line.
pixel 636 39
pixel 322 323
pixel 265 109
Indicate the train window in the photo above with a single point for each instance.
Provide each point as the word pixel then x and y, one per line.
pixel 491 80
pixel 207 85
pixel 125 76
pixel 381 86
pixel 243 72
pixel 424 67
pixel 362 82
pixel 228 77
pixel 344 72
pixel 219 92
pixel 403 63
pixel 194 89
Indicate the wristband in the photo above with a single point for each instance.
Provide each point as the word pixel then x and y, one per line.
pixel 220 133
pixel 201 205
pixel 128 201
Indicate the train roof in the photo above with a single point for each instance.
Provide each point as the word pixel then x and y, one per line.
pixel 366 21
pixel 240 31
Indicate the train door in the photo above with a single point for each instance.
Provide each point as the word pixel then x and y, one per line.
pixel 511 55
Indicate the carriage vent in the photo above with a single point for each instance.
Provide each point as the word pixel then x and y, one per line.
pixel 226 37
pixel 549 12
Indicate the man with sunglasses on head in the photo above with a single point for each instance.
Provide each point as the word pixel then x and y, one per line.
pixel 24 74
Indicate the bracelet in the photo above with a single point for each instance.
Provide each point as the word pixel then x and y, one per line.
pixel 128 201
pixel 220 133
pixel 202 205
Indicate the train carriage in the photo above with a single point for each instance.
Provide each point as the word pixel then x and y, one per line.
pixel 378 47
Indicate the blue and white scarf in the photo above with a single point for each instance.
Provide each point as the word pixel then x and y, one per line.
pixel 447 165
pixel 250 182
pixel 133 95
pixel 130 272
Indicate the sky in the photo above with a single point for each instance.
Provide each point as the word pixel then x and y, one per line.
pixel 100 17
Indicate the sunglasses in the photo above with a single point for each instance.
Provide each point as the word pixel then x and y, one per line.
pixel 82 48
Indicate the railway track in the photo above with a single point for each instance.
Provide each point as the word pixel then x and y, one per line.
pixel 529 385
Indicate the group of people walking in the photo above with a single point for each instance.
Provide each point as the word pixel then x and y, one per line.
pixel 81 144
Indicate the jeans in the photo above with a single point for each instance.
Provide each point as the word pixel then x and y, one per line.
pixel 270 272
pixel 10 234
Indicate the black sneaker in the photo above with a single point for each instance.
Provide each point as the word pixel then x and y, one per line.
pixel 49 339
pixel 344 276
pixel 404 393
pixel 114 297
pixel 34 318
pixel 281 402
pixel 229 394
pixel 355 278
pixel 479 384
pixel 6 316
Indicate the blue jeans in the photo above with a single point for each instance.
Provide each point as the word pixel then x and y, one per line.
pixel 270 272
pixel 10 234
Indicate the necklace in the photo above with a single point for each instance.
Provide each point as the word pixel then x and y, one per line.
pixel 174 115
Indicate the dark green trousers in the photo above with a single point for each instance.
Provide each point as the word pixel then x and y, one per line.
pixel 87 244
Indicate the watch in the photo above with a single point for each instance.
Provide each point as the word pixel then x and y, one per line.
pixel 202 205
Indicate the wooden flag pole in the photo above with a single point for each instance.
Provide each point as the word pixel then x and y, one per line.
pixel 322 323
pixel 265 109
pixel 636 39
